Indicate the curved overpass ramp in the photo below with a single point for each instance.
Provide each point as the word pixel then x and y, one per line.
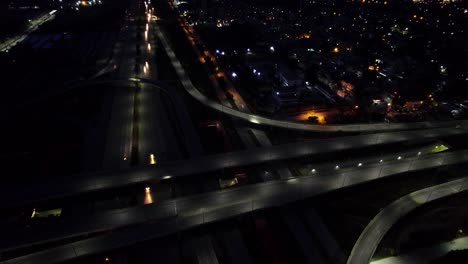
pixel 261 120
pixel 370 238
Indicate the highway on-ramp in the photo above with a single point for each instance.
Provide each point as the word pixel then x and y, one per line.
pixel 374 232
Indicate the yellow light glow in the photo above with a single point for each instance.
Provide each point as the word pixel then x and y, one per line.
pixel 152 159
pixel 371 67
pixel 305 116
pixel 148 196
pixel 336 50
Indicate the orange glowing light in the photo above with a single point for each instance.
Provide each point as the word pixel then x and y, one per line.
pixel 305 116
pixel 148 196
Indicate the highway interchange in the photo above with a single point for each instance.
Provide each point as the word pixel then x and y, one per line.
pixel 139 128
pixel 196 166
pixel 187 212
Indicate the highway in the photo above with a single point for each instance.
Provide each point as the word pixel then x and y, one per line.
pixel 261 120
pixel 374 232
pixel 187 212
pixel 426 254
pixel 145 125
pixel 196 166
pixel 249 136
pixel 33 25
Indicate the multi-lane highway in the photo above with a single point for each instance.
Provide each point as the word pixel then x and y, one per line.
pixel 145 125
pixel 180 214
pixel 148 120
pixel 200 165
pixel 374 232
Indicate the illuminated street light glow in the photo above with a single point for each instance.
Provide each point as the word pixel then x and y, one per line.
pixel 359 164
pixel 152 159
pixel 337 167
pixel 399 157
pixel 149 47
pixel 148 196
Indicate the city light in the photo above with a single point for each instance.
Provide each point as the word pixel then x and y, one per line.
pixel 152 159
pixel 148 199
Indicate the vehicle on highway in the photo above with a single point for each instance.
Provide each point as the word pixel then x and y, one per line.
pixel 239 179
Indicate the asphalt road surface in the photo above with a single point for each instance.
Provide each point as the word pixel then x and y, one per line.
pixel 370 238
pixel 12 196
pixel 187 212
